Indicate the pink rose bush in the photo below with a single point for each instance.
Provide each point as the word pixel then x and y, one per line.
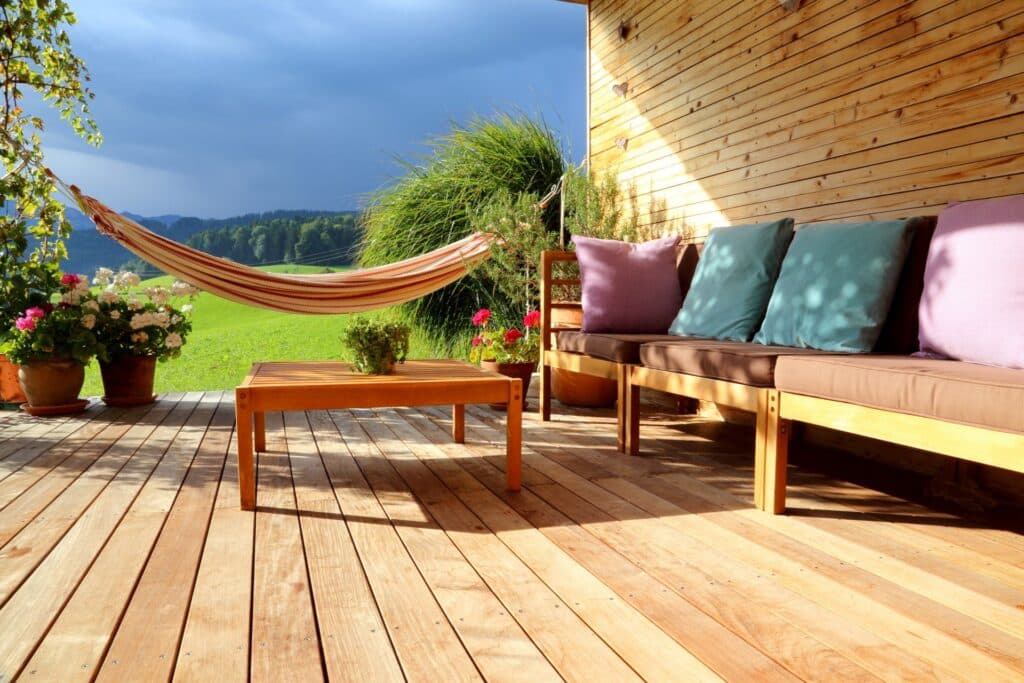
pixel 505 344
pixel 64 331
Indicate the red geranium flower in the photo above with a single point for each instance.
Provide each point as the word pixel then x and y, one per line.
pixel 531 319
pixel 481 317
pixel 512 335
pixel 70 279
pixel 477 339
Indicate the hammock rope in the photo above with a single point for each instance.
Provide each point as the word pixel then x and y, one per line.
pixel 322 293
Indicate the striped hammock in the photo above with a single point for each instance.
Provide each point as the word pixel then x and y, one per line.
pixel 347 292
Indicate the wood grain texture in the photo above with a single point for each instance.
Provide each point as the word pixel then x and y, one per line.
pixel 381 550
pixel 843 110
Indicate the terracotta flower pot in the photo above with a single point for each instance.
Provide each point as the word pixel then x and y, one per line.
pixel 523 371
pixel 52 386
pixel 128 380
pixel 10 389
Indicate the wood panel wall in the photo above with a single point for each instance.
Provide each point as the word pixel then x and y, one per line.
pixel 739 110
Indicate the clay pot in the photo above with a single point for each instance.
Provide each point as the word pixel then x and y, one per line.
pixel 574 388
pixel 523 371
pixel 128 380
pixel 10 389
pixel 53 384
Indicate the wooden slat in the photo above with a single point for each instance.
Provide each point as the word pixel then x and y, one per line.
pixel 354 640
pixel 75 643
pixel 285 643
pixel 412 616
pixel 29 612
pixel 215 643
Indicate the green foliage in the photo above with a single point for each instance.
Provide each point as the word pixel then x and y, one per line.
pixel 595 207
pixel 505 344
pixel 64 331
pixel 330 239
pixel 511 270
pixel 432 205
pixel 376 346
pixel 128 325
pixel 35 56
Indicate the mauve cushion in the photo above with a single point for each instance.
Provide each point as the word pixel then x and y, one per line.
pixel 972 307
pixel 628 287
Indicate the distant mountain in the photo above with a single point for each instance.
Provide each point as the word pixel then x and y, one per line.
pixel 89 249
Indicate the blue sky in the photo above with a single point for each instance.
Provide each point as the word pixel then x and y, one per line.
pixel 215 108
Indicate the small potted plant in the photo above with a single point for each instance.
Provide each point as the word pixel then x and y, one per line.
pixel 376 347
pixel 136 329
pixel 507 350
pixel 52 344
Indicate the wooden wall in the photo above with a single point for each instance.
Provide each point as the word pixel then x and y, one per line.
pixel 740 111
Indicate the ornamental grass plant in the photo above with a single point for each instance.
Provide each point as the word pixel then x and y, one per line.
pixel 433 203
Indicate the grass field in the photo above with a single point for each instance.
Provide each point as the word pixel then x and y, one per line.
pixel 227 338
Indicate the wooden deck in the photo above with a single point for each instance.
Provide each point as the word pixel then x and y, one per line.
pixel 381 551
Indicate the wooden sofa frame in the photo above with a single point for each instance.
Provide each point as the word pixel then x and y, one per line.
pixel 966 442
pixel 551 357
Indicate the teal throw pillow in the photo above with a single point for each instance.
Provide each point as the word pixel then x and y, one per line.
pixel 836 286
pixel 733 281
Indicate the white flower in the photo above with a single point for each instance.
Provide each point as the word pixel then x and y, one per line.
pixel 133 304
pixel 92 305
pixel 115 314
pixel 109 295
pixel 187 308
pixel 158 295
pixel 103 276
pixel 162 319
pixel 126 279
pixel 173 340
pixel 140 337
pixel 176 319
pixel 72 298
pixel 88 321
pixel 140 320
pixel 180 288
pixel 82 288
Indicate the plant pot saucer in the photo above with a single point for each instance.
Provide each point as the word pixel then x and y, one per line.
pixel 63 409
pixel 116 402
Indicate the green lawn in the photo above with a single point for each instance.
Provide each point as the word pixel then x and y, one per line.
pixel 227 338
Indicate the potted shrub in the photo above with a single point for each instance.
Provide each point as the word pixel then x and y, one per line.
pixel 135 330
pixel 376 347
pixel 53 344
pixel 507 350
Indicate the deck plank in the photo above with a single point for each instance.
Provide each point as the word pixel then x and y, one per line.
pixel 27 615
pixel 75 644
pixel 411 614
pixel 147 637
pixel 355 641
pixel 383 551
pixel 644 647
pixel 216 639
pixel 285 644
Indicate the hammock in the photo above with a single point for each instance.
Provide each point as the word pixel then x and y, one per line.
pixel 347 292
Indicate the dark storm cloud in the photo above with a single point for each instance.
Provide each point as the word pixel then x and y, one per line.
pixel 217 108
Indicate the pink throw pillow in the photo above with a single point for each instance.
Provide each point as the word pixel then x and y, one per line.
pixel 628 288
pixel 972 307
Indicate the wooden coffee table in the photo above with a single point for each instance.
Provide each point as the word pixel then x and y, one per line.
pixel 322 385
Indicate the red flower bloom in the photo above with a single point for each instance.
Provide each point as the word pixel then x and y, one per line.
pixel 531 319
pixel 70 279
pixel 35 312
pixel 512 336
pixel 481 317
pixel 477 339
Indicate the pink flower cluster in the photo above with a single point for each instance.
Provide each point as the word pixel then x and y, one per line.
pixel 27 322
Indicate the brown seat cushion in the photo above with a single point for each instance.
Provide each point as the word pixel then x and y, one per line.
pixel 620 348
pixel 742 362
pixel 950 390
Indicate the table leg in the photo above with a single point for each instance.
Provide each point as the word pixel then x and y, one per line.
pixel 261 432
pixel 459 423
pixel 514 436
pixel 246 468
